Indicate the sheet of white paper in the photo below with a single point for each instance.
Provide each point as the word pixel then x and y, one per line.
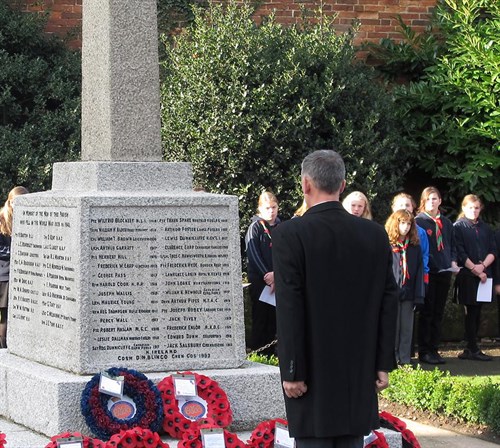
pixel 451 269
pixel 484 291
pixel 267 296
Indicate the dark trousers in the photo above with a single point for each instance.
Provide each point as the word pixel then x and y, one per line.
pixel 331 442
pixel 430 317
pixel 263 321
pixel 3 327
pixel 472 321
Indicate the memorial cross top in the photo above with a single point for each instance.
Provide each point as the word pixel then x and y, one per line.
pixel 120 81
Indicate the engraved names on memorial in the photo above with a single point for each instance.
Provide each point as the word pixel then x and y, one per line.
pixel 43 291
pixel 161 287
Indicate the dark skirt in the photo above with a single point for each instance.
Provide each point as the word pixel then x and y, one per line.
pixel 465 291
pixel 4 294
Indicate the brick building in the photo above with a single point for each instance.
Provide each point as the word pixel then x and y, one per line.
pixel 377 17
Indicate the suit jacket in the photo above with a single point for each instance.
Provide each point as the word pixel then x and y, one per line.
pixel 336 315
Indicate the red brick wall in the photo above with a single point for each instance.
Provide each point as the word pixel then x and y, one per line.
pixel 377 17
pixel 65 17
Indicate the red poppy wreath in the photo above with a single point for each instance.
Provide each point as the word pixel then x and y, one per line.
pixel 192 437
pixel 389 421
pixel 136 438
pixel 379 442
pixel 263 435
pixel 88 442
pixel 212 406
pixel 140 405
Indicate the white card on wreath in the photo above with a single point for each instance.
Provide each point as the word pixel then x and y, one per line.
pixel 71 442
pixel 282 437
pixel 213 438
pixel 184 386
pixel 111 386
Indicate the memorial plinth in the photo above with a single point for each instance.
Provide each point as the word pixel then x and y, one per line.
pixel 148 279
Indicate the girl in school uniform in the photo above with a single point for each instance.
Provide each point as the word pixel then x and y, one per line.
pixel 442 261
pixel 6 216
pixel 258 242
pixel 476 253
pixel 409 274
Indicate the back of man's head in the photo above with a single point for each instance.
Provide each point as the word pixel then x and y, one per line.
pixel 326 169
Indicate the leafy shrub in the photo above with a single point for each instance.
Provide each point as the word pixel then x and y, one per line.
pixel 39 101
pixel 414 387
pixel 452 111
pixel 465 399
pixel 263 359
pixel 492 415
pixel 462 402
pixel 245 103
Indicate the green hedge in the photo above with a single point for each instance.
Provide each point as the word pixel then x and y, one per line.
pixel 450 109
pixel 470 400
pixel 39 102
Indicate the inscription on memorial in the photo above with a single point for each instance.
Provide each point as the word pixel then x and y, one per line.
pixel 43 291
pixel 160 287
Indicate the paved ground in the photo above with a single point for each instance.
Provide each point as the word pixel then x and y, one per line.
pixel 430 437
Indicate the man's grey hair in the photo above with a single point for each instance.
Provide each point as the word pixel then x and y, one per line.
pixel 326 169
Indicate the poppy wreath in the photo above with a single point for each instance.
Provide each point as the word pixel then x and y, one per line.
pixel 3 441
pixel 145 395
pixel 388 421
pixel 136 438
pixel 263 435
pixel 379 442
pixel 219 412
pixel 88 442
pixel 191 438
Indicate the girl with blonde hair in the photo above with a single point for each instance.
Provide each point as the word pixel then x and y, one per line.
pixel 6 216
pixel 258 241
pixel 356 203
pixel 409 274
pixel 476 252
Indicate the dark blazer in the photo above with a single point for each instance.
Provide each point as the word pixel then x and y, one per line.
pixel 441 259
pixel 414 288
pixel 336 314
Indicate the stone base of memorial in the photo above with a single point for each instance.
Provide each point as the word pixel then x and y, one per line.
pixel 47 400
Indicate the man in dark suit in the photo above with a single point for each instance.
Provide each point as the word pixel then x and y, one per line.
pixel 336 313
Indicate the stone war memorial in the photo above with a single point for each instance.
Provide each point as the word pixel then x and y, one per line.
pixel 121 263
